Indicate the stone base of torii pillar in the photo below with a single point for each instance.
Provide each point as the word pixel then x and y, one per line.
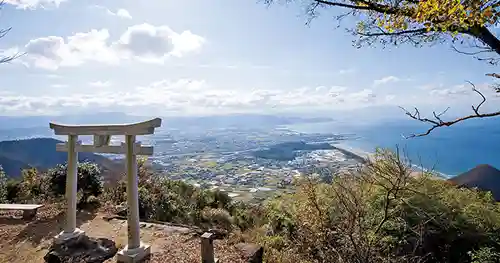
pixel 133 255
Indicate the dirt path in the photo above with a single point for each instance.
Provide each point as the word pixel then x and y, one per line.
pixel 22 241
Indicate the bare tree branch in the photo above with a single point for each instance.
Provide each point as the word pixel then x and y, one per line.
pixel 495 75
pixel 437 121
pixel 485 50
pixel 3 32
pixel 385 33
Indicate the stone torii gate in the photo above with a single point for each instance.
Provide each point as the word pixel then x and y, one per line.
pixel 135 249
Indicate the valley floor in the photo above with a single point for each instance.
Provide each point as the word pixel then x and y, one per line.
pixel 22 241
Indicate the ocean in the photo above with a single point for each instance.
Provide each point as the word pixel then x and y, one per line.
pixel 448 150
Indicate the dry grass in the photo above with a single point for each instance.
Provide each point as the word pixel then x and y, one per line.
pixel 23 241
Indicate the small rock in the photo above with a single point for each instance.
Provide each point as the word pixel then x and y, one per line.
pixel 251 252
pixel 81 249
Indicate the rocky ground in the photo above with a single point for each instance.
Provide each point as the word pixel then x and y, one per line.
pixel 28 241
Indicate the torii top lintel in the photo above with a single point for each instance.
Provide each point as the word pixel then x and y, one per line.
pixel 140 128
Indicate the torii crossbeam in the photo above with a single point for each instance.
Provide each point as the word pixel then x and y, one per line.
pixel 135 249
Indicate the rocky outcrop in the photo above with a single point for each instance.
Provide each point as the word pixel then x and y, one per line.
pixel 252 253
pixel 81 249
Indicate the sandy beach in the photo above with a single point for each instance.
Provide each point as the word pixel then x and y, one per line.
pixel 362 156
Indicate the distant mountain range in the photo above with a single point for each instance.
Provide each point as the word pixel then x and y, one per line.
pixel 230 120
pixel 26 127
pixel 41 153
pixel 239 120
pixel 17 122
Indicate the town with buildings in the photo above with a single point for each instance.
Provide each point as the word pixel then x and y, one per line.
pixel 250 165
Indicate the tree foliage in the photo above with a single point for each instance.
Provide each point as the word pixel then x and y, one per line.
pixel 384 213
pixel 466 24
pixel 417 22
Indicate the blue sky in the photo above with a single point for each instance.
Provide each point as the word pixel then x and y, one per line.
pixel 189 57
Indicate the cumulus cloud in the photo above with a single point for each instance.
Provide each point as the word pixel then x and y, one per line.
pixel 33 4
pixel 153 44
pixel 53 52
pixel 145 42
pixel 192 97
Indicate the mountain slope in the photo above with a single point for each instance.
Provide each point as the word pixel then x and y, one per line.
pixel 485 177
pixel 41 153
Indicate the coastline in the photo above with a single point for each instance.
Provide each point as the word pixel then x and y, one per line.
pixel 357 154
pixel 362 156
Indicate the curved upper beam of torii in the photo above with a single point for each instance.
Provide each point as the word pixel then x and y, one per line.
pixel 140 128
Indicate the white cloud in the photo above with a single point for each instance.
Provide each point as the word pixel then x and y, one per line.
pixel 154 44
pixel 101 84
pixel 122 13
pixel 463 89
pixel 452 91
pixel 191 97
pixel 385 80
pixel 53 52
pixel 146 43
pixel 33 4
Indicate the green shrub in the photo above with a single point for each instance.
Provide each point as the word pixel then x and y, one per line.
pixel 31 187
pixel 246 216
pixel 89 180
pixel 31 184
pixel 175 201
pixel 217 217
pixel 34 186
pixel 383 213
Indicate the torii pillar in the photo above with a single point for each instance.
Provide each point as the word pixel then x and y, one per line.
pixel 135 250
